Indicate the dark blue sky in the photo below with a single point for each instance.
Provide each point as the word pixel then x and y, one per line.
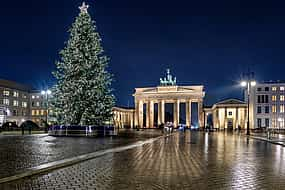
pixel 202 42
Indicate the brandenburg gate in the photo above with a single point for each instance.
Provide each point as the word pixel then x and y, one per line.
pixel 167 92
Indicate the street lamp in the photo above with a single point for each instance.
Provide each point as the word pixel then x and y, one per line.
pixel 248 84
pixel 46 94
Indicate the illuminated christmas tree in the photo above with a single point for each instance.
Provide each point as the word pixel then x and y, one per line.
pixel 82 94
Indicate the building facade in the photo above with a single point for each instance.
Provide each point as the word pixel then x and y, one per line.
pixel 147 99
pixel 229 114
pixel 19 103
pixel 267 102
pixel 14 102
pixel 123 117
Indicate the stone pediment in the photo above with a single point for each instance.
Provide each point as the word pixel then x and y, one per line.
pixel 230 101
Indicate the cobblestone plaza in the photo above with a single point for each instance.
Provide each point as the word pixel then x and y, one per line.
pixel 191 160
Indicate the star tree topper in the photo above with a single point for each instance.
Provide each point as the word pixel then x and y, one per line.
pixel 84 8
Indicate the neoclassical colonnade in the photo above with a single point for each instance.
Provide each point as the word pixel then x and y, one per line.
pixel 123 117
pixel 162 95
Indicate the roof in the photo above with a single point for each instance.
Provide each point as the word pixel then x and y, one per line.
pixel 14 85
pixel 230 101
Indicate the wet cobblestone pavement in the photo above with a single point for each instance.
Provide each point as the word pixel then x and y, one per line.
pixel 20 152
pixel 183 161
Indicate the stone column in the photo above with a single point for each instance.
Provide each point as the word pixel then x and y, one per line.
pixel 176 113
pixel 188 113
pixel 151 114
pixel 200 113
pixel 147 115
pixel 162 111
pixel 140 116
pixel 136 114
pixel 225 119
pixel 159 113
pixel 236 119
pixel 131 120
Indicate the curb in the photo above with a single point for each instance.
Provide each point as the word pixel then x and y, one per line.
pixel 75 160
pixel 266 140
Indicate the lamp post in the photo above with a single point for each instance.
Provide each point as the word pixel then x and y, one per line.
pixel 248 83
pixel 46 94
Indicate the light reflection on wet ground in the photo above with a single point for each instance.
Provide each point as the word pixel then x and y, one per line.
pixel 21 152
pixel 184 161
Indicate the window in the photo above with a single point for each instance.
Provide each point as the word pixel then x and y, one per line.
pixel 258 99
pixel 282 88
pixel 33 112
pixel 33 97
pixel 6 101
pixel 15 103
pixel 266 109
pixel 38 104
pixel 259 122
pixel 274 109
pixel 262 99
pixel 274 88
pixel 24 96
pixel 266 98
pixel 258 109
pixel 16 94
pixel 259 89
pixel 273 98
pixel 266 89
pixel 281 97
pixel 273 123
pixel 266 122
pixel 282 108
pixel 6 93
pixel 38 97
pixel 230 113
pixel 281 122
pixel 24 104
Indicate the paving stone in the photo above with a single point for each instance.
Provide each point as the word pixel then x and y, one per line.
pixel 214 161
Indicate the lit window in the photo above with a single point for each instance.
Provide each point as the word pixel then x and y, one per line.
pixel 282 88
pixel 281 108
pixel 16 94
pixel 273 122
pixel 38 104
pixel 281 122
pixel 6 101
pixel 6 93
pixel 281 97
pixel 274 109
pixel 38 97
pixel 33 112
pixel 43 112
pixel 274 88
pixel 33 97
pixel 15 103
pixel 274 98
pixel 24 104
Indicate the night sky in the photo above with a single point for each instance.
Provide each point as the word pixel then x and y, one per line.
pixel 202 42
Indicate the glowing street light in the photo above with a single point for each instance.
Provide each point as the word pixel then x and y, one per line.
pixel 243 83
pixel 248 83
pixel 46 94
